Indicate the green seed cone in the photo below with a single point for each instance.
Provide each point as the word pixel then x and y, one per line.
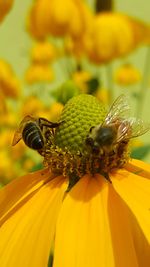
pixel 78 116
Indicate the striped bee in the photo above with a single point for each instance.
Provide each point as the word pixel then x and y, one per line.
pixel 33 132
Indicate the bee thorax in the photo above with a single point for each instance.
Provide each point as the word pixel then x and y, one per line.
pixel 105 136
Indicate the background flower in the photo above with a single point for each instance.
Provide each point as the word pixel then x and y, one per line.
pixel 5 7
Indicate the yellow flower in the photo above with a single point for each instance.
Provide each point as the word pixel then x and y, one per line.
pixel 43 52
pixel 58 18
pixel 38 19
pixel 39 73
pixel 113 35
pixel 73 46
pixel 28 164
pixel 96 222
pixel 32 105
pixel 81 78
pixel 127 75
pixel 6 167
pixel 103 95
pixel 5 7
pixel 6 138
pixel 3 106
pixel 141 30
pixel 35 107
pixel 8 82
pixel 18 152
pixel 9 120
pixel 55 111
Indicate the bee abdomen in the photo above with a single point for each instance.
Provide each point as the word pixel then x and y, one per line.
pixel 32 136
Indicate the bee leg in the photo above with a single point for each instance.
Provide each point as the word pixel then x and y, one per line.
pixel 45 122
pixel 106 176
pixel 72 181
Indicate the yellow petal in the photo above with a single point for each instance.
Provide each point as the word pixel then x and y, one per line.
pixel 135 191
pixel 138 167
pixel 93 228
pixel 28 234
pixel 19 190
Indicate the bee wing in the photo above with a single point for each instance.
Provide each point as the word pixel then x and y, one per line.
pixel 132 128
pixel 138 126
pixel 124 131
pixel 119 109
pixel 18 133
pixel 17 137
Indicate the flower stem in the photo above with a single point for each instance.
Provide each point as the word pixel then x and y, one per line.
pixel 109 75
pixel 144 84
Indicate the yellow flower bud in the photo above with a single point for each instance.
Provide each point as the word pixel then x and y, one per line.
pixel 113 35
pixel 43 52
pixel 5 6
pixel 9 84
pixel 39 73
pixel 127 75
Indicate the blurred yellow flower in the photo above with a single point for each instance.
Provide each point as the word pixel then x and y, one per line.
pixel 43 52
pixel 39 73
pixel 127 74
pixel 81 78
pixel 31 105
pixel 16 153
pixel 9 84
pixel 28 164
pixel 5 6
pixel 141 30
pixel 58 18
pixel 6 167
pixel 103 95
pixel 112 35
pixel 73 46
pixel 55 111
pixel 9 120
pixel 3 106
pixel 35 107
pixel 6 138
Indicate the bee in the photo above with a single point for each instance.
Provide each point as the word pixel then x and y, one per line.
pixel 33 131
pixel 117 128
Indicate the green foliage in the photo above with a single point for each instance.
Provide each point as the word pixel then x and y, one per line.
pixel 66 91
pixel 37 167
pixel 93 85
pixel 140 152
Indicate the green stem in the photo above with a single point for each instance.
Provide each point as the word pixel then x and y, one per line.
pixel 144 84
pixel 109 75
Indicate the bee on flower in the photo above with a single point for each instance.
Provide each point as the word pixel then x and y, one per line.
pixel 68 212
pixel 33 131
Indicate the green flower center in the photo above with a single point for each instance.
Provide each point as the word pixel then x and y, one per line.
pixel 72 152
pixel 79 115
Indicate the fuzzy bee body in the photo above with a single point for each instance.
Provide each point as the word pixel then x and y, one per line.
pixel 32 136
pixel 34 132
pixel 117 128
